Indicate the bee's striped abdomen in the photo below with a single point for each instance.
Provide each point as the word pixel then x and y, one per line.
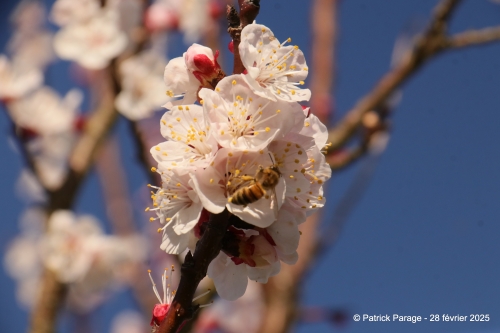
pixel 247 195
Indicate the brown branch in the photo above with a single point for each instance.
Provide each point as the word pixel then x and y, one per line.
pixel 323 73
pixel 193 270
pixel 474 37
pixel 249 9
pixel 428 45
pixel 52 293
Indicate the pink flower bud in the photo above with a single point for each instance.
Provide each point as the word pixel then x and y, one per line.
pixel 201 61
pixel 159 313
pixel 230 46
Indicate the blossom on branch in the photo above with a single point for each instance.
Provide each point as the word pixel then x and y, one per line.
pixel 275 71
pixel 93 43
pixel 142 91
pixel 185 76
pixel 250 149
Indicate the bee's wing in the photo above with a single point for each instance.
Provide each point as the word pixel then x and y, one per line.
pixel 239 182
pixel 274 202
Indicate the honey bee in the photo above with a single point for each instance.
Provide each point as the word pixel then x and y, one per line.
pixel 264 181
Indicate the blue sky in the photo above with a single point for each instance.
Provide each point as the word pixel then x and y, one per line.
pixel 424 237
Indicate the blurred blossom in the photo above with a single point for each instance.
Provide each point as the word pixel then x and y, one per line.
pixel 142 83
pixel 28 16
pixel 243 315
pixel 22 258
pixel 130 13
pixel 31 36
pixel 50 122
pixel 24 46
pixel 76 249
pixel 45 112
pixel 128 322
pixel 191 17
pixel 29 189
pixel 50 155
pixel 194 18
pixel 161 16
pixel 66 12
pixel 94 43
pixel 17 80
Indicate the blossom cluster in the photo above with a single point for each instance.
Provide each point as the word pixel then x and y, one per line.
pixel 248 147
pixel 77 251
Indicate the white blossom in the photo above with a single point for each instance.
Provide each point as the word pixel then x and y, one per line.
pixel 182 85
pixel 92 44
pixel 178 207
pixel 16 79
pixel 45 112
pixel 250 148
pixel 184 76
pixel 189 138
pixel 275 71
pixel 243 120
pixel 142 91
pixel 260 252
pixel 65 12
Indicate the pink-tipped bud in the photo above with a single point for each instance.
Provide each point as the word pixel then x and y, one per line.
pixel 230 46
pixel 159 314
pixel 201 61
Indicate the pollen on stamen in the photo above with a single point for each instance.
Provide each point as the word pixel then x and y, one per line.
pixel 153 169
pixel 170 93
pixel 211 181
pixel 267 129
pixel 233 82
pixel 159 230
pixel 163 122
pixel 181 108
pixel 147 209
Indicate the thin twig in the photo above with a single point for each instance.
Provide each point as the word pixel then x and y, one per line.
pixel 429 44
pixel 474 37
pixel 193 270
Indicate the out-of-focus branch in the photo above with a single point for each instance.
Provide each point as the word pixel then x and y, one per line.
pixel 119 211
pixel 346 205
pixel 428 45
pixel 324 35
pixel 193 270
pixel 474 37
pixel 52 292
